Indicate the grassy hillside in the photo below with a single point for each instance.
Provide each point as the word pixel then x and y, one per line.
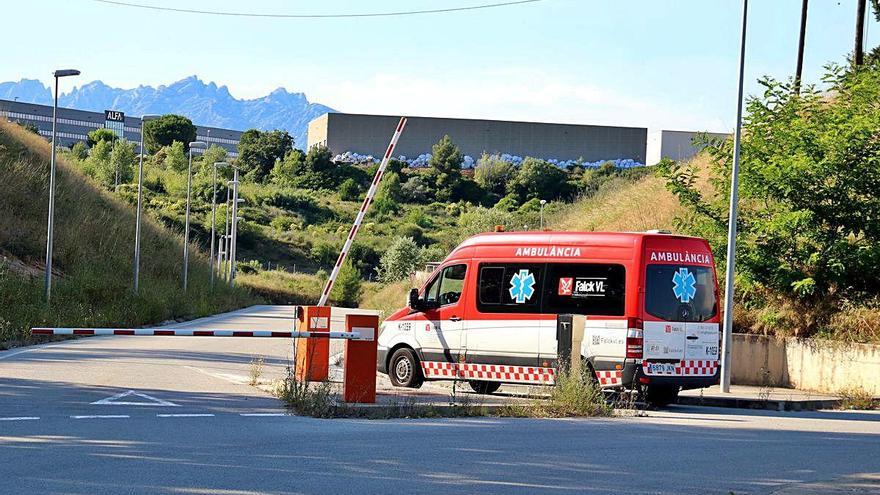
pixel 94 246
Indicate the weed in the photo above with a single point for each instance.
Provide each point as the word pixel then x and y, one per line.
pixel 316 400
pixel 256 370
pixel 857 398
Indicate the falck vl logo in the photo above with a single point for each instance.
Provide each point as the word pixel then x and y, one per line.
pixel 522 286
pixel 684 285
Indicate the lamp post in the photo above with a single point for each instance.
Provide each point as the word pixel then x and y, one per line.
pixel 233 241
pixel 543 202
pixel 731 227
pixel 50 235
pixel 188 199
pixel 137 221
pixel 214 217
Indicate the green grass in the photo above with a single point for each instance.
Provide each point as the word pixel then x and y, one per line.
pixel 93 253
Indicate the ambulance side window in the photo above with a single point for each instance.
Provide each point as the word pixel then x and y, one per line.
pixel 510 288
pixel 585 288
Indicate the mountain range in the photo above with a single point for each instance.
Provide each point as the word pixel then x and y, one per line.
pixel 204 103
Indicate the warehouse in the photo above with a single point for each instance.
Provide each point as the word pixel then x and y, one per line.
pixel 369 135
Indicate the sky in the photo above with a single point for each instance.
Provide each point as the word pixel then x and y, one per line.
pixel 668 64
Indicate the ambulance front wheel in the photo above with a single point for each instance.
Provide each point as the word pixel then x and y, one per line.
pixel 482 387
pixel 403 369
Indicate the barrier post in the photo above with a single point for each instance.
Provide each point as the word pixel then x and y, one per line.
pixel 313 353
pixel 359 383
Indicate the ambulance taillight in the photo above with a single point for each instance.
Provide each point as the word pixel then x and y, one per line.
pixel 634 338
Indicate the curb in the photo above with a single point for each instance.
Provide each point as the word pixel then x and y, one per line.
pixel 769 404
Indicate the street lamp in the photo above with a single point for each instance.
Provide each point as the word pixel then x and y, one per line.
pixel 731 226
pixel 137 221
pixel 214 217
pixel 543 202
pixel 51 227
pixel 233 242
pixel 188 197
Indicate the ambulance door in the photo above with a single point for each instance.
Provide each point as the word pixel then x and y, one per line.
pixel 441 330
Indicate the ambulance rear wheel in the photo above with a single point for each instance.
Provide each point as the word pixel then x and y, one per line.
pixel 659 396
pixel 482 387
pixel 403 369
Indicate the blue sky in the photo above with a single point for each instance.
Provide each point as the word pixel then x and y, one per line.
pixel 661 64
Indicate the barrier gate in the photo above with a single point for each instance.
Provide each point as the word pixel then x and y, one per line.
pixel 311 346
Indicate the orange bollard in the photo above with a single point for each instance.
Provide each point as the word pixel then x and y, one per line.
pixel 359 383
pixel 313 353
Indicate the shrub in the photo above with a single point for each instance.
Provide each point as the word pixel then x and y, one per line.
pixel 282 223
pixel 349 190
pixel 325 254
pixel 347 288
pixel 402 259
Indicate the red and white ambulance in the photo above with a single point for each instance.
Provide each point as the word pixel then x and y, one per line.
pixel 488 313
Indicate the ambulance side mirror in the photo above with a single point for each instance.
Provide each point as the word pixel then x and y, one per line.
pixel 414 301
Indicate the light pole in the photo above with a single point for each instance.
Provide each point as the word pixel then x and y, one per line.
pixel 50 235
pixel 189 179
pixel 214 218
pixel 731 227
pixel 137 220
pixel 233 241
pixel 543 202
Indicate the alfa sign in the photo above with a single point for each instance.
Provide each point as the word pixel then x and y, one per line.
pixel 115 121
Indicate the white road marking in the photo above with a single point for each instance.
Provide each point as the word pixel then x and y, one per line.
pixel 102 416
pixel 261 415
pixel 193 415
pixel 236 379
pixel 21 418
pixel 113 400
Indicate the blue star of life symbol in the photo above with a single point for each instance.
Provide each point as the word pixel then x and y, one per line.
pixel 522 286
pixel 684 285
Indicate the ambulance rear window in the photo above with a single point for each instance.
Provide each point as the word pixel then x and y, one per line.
pixel 585 289
pixel 680 292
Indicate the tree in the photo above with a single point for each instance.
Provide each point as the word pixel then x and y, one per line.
pixel 347 288
pixel 98 165
pixel 211 156
pixel 492 174
pixel 445 168
pixel 402 259
pixel 101 134
pixel 167 129
pixel 285 172
pixel 809 183
pixel 539 179
pixel 175 157
pixel 258 151
pixel 122 159
pixel 349 190
pixel 79 150
pixel 416 189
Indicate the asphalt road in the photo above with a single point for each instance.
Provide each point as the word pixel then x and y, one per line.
pixel 174 415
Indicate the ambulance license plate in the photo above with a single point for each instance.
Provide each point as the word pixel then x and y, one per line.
pixel 661 368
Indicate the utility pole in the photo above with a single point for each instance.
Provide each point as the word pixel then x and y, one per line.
pixel 859 52
pixel 800 57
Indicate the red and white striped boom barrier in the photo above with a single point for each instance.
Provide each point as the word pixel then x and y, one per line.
pixel 189 332
pixel 363 211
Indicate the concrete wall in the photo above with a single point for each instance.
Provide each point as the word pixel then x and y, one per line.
pixel 369 135
pixel 807 365
pixel 677 145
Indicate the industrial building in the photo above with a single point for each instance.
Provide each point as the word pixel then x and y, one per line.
pixel 369 135
pixel 74 125
pixel 677 145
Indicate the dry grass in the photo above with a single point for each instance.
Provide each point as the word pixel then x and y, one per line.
pixel 93 255
pixel 857 398
pixel 281 287
pixel 388 298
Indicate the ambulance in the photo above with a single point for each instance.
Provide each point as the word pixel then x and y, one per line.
pixel 487 315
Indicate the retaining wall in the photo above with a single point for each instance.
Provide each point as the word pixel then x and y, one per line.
pixel 826 367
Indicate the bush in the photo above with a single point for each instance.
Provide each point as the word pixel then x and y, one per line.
pixel 349 190
pixel 401 260
pixel 347 288
pixel 282 223
pixel 325 254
